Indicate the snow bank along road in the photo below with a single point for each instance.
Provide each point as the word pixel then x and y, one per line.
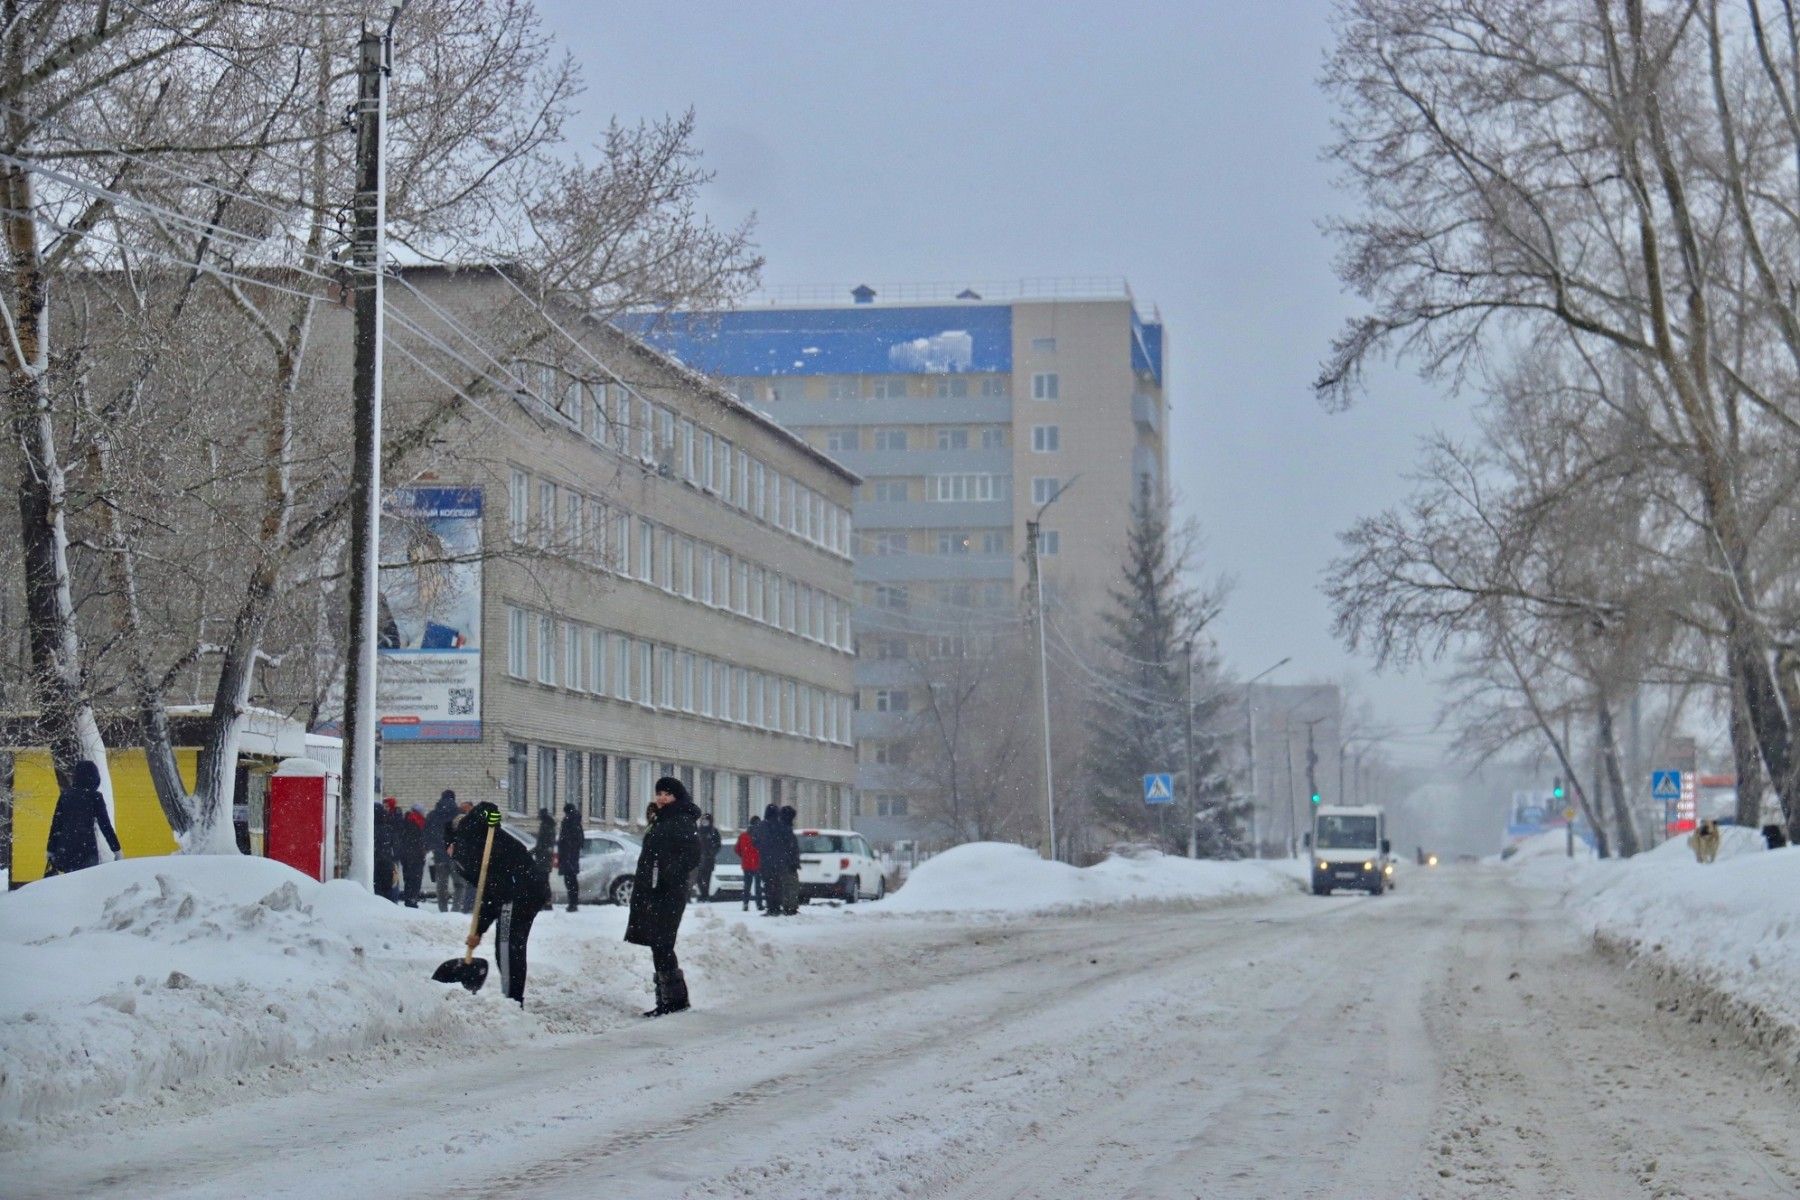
pixel 1449 1040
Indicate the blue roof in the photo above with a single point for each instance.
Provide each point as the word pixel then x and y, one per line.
pixel 1147 347
pixel 859 340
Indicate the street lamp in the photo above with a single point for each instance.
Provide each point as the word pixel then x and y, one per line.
pixel 1250 725
pixel 1037 612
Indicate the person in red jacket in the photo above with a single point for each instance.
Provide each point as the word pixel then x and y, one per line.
pixel 747 854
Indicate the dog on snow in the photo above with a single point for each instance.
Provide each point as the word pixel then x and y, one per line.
pixel 1704 841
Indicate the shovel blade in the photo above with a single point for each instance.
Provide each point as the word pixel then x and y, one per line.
pixel 471 974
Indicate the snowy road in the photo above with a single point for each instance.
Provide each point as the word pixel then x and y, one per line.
pixel 1449 1040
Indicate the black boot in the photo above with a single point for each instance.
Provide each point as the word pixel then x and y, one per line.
pixel 662 997
pixel 574 896
pixel 675 997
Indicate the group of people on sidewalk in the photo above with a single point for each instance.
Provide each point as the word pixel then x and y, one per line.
pixel 770 853
pixel 679 846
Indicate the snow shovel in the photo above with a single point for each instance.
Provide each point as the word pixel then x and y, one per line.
pixel 468 970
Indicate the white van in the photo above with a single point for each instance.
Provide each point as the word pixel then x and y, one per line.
pixel 1350 849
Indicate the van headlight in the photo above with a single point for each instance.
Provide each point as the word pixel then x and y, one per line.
pixel 1368 866
pixel 1323 865
pixel 1389 868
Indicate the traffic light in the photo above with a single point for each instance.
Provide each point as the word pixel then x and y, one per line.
pixel 1317 799
pixel 1556 788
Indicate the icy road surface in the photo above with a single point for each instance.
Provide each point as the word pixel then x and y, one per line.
pixel 1449 1040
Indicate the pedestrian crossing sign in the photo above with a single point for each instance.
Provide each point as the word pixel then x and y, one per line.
pixel 1159 789
pixel 1665 785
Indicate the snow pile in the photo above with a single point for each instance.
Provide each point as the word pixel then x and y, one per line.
pixel 1733 925
pixel 129 977
pixel 135 976
pixel 1001 877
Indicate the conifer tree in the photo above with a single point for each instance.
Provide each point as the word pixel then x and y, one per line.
pixel 1137 700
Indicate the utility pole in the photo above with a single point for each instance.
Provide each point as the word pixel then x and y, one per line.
pixel 1035 580
pixel 1287 737
pixel 1250 726
pixel 1312 760
pixel 1193 791
pixel 1043 681
pixel 368 255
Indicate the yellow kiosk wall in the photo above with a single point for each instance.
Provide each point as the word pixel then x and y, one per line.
pixel 137 817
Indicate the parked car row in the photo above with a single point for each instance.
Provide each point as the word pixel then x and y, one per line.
pixel 835 864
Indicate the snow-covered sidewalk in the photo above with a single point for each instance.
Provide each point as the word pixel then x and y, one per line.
pixel 129 979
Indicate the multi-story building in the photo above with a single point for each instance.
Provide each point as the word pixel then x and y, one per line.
pixel 663 584
pixel 965 411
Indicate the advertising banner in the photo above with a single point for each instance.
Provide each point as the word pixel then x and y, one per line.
pixel 428 685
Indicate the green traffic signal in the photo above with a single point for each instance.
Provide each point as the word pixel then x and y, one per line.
pixel 1316 798
pixel 1556 789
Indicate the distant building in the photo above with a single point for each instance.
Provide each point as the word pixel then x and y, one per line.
pixel 964 409
pixel 664 588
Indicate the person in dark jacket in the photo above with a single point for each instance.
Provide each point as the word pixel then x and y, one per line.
pixel 770 849
pixel 409 849
pixel 659 891
pixel 514 896
pixel 709 856
pixel 437 840
pixel 544 851
pixel 568 853
pixel 790 861
pixel 80 810
pixel 752 863
pixel 384 851
pixel 462 891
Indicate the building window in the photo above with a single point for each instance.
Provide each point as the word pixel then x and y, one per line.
pixel 993 437
pixel 517 653
pixel 889 544
pixel 890 804
pixel 596 662
pixel 1045 386
pixel 996 541
pixel 993 386
pixel 575 781
pixel 954 541
pixel 1049 541
pixel 574 636
pixel 646 428
pixel 546 672
pixel 890 491
pixel 890 389
pixel 518 505
pixel 892 700
pixel 952 439
pixel 889 595
pixel 1046 439
pixel 645 679
pixel 624 773
pixel 684 449
pixel 743 802
pixel 952 388
pixel 951 488
pixel 546 513
pixel 517 755
pixel 1043 487
pixel 1044 346
pixel 890 439
pixel 646 550
pixel 546 777
pixel 844 389
pixel 621 676
pixel 596 797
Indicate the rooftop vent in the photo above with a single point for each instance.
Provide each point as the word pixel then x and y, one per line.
pixel 862 293
pixel 968 294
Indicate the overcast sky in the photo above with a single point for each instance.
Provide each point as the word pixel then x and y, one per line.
pixel 1178 145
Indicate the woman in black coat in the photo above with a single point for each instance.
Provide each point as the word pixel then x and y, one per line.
pixel 80 810
pixel 659 892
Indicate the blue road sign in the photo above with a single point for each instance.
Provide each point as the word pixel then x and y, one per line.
pixel 1665 785
pixel 1159 789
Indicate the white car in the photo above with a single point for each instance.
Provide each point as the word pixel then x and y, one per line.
pixel 728 873
pixel 837 864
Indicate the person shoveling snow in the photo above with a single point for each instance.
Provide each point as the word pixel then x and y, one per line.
pixel 512 895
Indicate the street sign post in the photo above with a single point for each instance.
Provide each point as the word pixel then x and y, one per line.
pixel 1159 789
pixel 1666 787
